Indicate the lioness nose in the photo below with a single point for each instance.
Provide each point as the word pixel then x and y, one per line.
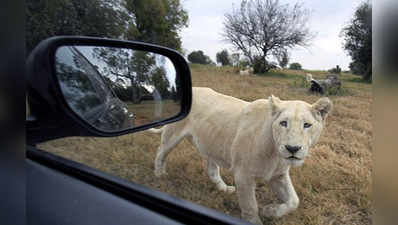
pixel 292 149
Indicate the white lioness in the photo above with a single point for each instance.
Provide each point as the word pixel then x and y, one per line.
pixel 259 139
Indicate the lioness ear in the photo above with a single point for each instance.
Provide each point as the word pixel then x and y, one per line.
pixel 275 103
pixel 323 106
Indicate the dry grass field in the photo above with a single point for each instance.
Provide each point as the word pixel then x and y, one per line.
pixel 144 112
pixel 334 184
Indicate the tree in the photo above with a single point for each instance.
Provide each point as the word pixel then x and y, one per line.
pixel 46 18
pixel 357 68
pixel 283 59
pixel 358 41
pixel 152 21
pixel 235 58
pixel 295 66
pixel 260 28
pixel 199 57
pixel 131 68
pixel 223 57
pixel 156 21
pixel 160 82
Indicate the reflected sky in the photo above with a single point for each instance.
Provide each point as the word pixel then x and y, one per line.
pixel 160 61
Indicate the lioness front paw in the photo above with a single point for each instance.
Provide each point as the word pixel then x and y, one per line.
pixel 274 210
pixel 225 188
pixel 159 173
pixel 230 189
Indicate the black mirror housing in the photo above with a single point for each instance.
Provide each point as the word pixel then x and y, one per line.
pixel 52 117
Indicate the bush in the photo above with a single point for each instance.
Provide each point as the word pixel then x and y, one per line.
pixel 223 58
pixel 199 57
pixel 295 66
pixel 244 63
pixel 258 66
pixel 336 70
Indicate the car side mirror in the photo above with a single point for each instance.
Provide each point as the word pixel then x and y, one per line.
pixel 108 87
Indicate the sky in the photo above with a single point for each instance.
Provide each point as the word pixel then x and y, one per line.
pixel 326 20
pixel 160 60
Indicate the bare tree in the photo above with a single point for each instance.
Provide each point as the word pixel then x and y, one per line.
pixel 260 28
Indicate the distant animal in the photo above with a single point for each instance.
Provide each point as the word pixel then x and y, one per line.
pixel 259 139
pixel 274 66
pixel 244 72
pixel 320 86
pixel 248 71
pixel 309 77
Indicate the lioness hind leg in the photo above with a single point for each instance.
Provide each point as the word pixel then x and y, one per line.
pixel 213 170
pixel 171 136
pixel 283 188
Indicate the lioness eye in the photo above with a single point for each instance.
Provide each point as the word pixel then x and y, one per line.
pixel 307 125
pixel 283 124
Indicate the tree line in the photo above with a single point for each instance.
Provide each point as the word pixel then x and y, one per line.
pixel 224 58
pixel 263 29
pixel 358 41
pixel 152 21
pixel 257 29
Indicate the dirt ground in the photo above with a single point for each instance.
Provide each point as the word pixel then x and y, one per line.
pixel 334 184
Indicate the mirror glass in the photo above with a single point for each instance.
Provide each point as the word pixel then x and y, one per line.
pixel 115 89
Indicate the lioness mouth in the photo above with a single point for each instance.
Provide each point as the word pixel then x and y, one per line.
pixel 294 158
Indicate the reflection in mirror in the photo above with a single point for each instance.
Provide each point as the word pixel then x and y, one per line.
pixel 115 89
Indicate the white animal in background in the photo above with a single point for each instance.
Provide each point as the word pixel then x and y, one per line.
pixel 309 77
pixel 244 72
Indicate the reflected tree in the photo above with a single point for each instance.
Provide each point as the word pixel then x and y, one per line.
pixel 133 75
pixel 129 69
pixel 77 87
pixel 161 82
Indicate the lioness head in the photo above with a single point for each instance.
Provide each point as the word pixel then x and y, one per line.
pixel 297 126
